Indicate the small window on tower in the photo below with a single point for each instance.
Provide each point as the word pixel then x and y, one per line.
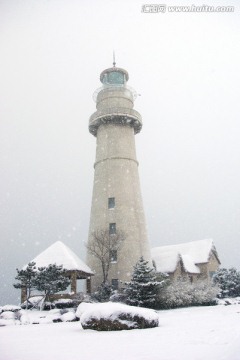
pixel 111 203
pixel 112 228
pixel 115 284
pixel 113 256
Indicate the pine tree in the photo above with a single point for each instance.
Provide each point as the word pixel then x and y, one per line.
pixel 143 287
pixel 26 278
pixel 51 279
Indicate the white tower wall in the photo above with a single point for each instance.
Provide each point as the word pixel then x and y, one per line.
pixel 116 176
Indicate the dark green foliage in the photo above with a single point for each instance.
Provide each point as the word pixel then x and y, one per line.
pixel 118 296
pixel 47 305
pixel 26 279
pixel 64 303
pixel 143 287
pixel 51 279
pixel 120 321
pixel 229 282
pixel 103 293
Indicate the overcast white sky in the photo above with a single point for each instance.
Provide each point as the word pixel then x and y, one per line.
pixel 186 68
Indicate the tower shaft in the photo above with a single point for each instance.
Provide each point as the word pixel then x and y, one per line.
pixel 116 202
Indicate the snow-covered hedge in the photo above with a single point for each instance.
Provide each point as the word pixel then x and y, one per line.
pixel 26 317
pixel 115 316
pixel 64 303
pixel 34 302
pixel 13 308
pixel 183 293
pixel 229 301
pixel 7 315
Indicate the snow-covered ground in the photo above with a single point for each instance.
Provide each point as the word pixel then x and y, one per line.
pixel 209 333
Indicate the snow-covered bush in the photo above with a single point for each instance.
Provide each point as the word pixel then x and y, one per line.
pixel 26 317
pixel 229 301
pixel 48 305
pixel 13 308
pixel 33 302
pixel 183 293
pixel 64 303
pixel 7 315
pixel 51 316
pixel 228 281
pixel 115 316
pixel 204 293
pixel 69 316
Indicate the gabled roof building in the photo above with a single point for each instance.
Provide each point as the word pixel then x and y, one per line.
pixel 195 260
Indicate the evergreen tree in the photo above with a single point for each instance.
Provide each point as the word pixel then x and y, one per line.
pixel 26 278
pixel 143 287
pixel 229 282
pixel 103 292
pixel 51 279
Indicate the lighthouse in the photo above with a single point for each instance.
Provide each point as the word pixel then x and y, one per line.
pixel 117 206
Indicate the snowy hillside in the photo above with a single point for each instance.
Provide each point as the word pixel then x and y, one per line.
pixel 210 333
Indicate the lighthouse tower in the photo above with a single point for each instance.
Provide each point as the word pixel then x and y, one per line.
pixel 116 201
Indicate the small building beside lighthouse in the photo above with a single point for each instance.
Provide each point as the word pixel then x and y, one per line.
pixel 116 199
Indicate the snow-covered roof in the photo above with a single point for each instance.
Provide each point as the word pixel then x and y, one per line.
pixel 60 254
pixel 167 257
pixel 188 263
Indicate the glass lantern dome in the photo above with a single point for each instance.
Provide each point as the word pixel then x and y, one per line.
pixel 114 76
pixel 113 79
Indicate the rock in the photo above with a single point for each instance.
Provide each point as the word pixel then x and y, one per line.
pixel 115 316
